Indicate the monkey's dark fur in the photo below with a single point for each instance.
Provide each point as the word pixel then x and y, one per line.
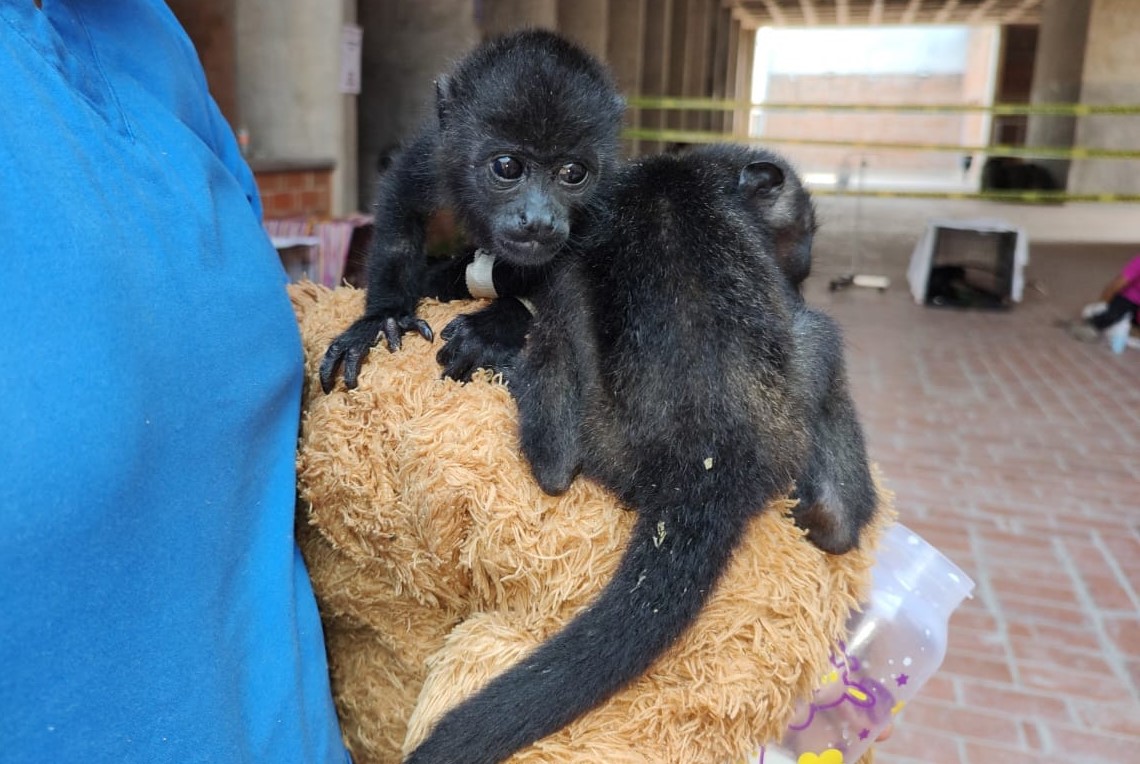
pixel 524 135
pixel 676 364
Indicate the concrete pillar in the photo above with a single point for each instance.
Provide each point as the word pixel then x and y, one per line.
pixel 745 63
pixel 700 22
pixel 718 120
pixel 287 55
pixel 1057 72
pixel 627 22
pixel 656 50
pixel 732 74
pixel 678 36
pixel 1112 60
pixel 977 90
pixel 502 16
pixel 587 22
pixel 406 46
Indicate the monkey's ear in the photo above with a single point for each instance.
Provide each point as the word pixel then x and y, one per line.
pixel 442 96
pixel 761 178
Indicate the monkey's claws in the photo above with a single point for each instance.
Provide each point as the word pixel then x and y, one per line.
pixel 396 326
pixel 351 348
pixel 490 338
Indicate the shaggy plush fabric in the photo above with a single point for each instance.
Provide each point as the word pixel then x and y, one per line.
pixel 438 562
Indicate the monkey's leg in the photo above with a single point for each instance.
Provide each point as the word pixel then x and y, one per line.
pixel 549 383
pixel 836 493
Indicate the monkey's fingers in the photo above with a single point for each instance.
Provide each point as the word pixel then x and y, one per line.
pixel 396 326
pixel 424 329
pixel 353 358
pixel 453 327
pixel 392 334
pixel 329 365
pixel 457 367
pixel 456 356
pixel 349 349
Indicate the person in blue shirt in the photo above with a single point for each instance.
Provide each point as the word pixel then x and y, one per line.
pixel 153 603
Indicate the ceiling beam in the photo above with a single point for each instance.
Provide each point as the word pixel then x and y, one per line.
pixel 944 12
pixel 775 12
pixel 911 11
pixel 811 18
pixel 747 19
pixel 841 12
pixel 876 16
pixel 1019 11
pixel 979 13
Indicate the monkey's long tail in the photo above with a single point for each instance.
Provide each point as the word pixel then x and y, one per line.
pixel 674 558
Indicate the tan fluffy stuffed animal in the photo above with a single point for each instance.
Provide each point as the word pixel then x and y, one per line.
pixel 438 562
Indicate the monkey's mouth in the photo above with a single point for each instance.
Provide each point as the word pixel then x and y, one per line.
pixel 527 251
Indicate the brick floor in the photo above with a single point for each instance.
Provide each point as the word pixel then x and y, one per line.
pixel 1016 450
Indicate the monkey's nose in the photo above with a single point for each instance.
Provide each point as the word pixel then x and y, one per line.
pixel 536 226
pixel 543 230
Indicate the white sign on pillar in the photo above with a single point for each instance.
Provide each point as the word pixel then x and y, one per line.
pixel 350 39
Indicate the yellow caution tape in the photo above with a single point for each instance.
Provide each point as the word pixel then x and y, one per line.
pixel 1043 152
pixel 1028 197
pixel 1003 109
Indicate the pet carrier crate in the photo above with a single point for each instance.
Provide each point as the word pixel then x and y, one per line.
pixel 969 264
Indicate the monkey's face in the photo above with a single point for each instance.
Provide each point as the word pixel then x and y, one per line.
pixel 527 204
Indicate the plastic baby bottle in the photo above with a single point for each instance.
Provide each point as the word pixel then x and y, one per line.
pixel 893 646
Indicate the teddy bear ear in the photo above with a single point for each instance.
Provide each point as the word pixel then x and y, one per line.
pixel 760 178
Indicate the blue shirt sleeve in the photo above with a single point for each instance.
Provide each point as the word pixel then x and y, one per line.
pixel 155 606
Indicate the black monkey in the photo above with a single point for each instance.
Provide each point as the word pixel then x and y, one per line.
pixel 676 363
pixel 524 135
pixel 492 337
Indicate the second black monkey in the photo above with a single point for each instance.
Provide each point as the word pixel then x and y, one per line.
pixel 676 363
pixel 524 136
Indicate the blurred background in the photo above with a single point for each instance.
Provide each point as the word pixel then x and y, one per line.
pixel 992 143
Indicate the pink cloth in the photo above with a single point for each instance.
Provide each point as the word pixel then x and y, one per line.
pixel 1131 274
pixel 335 239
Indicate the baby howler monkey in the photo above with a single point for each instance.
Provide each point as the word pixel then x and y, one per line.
pixel 674 361
pixel 523 138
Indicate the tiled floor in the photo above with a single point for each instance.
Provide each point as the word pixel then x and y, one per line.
pixel 1016 450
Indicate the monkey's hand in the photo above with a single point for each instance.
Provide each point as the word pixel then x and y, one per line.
pixel 351 347
pixel 490 338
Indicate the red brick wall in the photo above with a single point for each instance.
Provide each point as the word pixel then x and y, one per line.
pixel 210 25
pixel 295 192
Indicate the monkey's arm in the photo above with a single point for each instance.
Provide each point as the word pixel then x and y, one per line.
pixel 396 263
pixel 836 493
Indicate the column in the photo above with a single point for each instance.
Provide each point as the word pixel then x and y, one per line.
pixel 586 22
pixel 406 46
pixel 1057 72
pixel 501 16
pixel 1112 60
pixel 627 22
pixel 287 63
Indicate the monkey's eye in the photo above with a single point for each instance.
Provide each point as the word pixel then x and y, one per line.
pixel 572 174
pixel 507 167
